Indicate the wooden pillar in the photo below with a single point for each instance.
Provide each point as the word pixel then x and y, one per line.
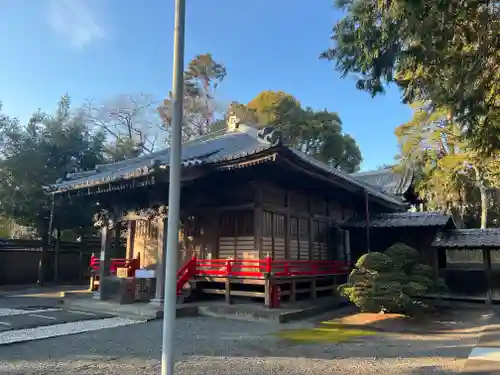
pixel 82 265
pixel 293 291
pixel 46 245
pixel 347 247
pixel 104 257
pixel 212 236
pixel 287 226
pixel 115 252
pixel 367 221
pixel 56 255
pixel 228 291
pixel 487 270
pixel 161 219
pixel 309 229
pixel 131 238
pixel 160 261
pixel 258 216
pixel 314 293
pixel 267 292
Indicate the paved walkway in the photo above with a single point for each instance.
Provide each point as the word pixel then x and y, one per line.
pixel 19 325
pixel 36 313
pixel 485 356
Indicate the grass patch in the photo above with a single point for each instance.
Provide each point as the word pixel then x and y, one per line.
pixel 323 335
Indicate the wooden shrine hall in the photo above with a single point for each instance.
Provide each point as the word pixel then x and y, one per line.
pixel 255 214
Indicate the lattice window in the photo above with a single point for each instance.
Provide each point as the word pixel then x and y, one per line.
pixel 468 259
pixel 279 225
pixel 237 224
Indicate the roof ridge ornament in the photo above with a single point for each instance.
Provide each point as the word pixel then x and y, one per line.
pixel 271 134
pixel 233 121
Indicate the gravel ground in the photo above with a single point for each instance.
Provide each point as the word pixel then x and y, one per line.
pixel 218 346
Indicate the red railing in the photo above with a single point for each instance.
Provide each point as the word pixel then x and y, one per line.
pixel 186 272
pixel 115 263
pixel 261 267
pixel 257 268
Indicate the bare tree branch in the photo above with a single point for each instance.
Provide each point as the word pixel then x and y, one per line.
pixel 128 120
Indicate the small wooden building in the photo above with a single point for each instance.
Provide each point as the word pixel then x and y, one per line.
pixel 416 229
pixel 469 261
pixel 253 212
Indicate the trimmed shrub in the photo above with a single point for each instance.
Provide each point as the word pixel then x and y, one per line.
pixel 391 281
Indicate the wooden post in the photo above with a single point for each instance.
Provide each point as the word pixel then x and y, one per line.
pixel 313 289
pixel 82 266
pixel 287 226
pixel 487 266
pixel 367 221
pixel 115 253
pixel 160 261
pixel 293 291
pixel 268 266
pixel 131 238
pixel 347 248
pixel 228 291
pixel 309 229
pixel 104 259
pixel 46 245
pixel 56 255
pixel 267 292
pixel 258 216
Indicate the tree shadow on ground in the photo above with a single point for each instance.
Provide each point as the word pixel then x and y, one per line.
pixel 224 341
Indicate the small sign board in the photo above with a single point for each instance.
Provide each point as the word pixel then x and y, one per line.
pixel 122 272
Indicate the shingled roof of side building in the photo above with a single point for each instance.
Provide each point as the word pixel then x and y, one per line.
pixel 468 239
pixel 404 219
pixel 219 150
pixel 388 180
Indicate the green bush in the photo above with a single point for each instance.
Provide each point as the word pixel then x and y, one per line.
pixel 391 281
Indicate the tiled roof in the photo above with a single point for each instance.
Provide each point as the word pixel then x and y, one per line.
pixel 468 238
pixel 373 191
pixel 388 180
pixel 216 148
pixel 403 219
pixel 222 146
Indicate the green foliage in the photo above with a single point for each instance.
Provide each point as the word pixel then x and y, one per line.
pixel 201 79
pixel 443 51
pixel 316 133
pixel 35 156
pixel 452 176
pixel 122 148
pixel 391 281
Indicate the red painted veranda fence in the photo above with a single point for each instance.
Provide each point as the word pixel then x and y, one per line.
pixel 257 268
pixel 115 263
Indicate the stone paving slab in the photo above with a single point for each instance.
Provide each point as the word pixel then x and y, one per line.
pixel 481 367
pixel 42 318
pixel 139 310
pixel 484 358
pixel 490 337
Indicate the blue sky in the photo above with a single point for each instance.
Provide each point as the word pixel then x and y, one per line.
pixel 97 49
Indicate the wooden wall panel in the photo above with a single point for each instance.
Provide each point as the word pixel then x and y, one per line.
pixel 299 203
pixel 226 247
pixel 267 245
pixel 245 248
pixel 318 205
pixel 279 249
pixel 335 210
pixel 273 196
